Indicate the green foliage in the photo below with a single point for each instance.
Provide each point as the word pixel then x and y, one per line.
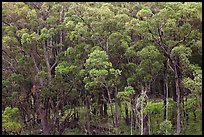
pixel 126 94
pixel 151 63
pixel 41 74
pixel 190 104
pixel 64 68
pixel 195 84
pixel 153 108
pixel 10 120
pixel 166 127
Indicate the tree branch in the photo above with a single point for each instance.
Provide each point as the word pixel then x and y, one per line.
pixel 182 40
pixel 53 64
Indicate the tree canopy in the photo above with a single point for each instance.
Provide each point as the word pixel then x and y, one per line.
pixel 101 67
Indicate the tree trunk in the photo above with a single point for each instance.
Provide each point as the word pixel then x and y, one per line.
pixel 141 112
pixel 87 114
pixel 105 107
pixel 194 115
pixel 110 101
pixel 166 90
pixel 131 114
pixel 116 108
pixel 126 115
pixel 49 75
pixel 100 104
pixel 44 120
pixel 145 117
pixel 178 126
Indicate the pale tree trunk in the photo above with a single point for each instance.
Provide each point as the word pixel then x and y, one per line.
pixel 37 69
pixel 49 76
pixel 141 112
pixel 131 114
pixel 166 90
pixel 136 114
pixel 109 98
pixel 178 126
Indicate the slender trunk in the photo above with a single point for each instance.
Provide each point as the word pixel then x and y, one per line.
pixel 126 114
pixel 44 121
pixel 56 116
pixel 145 117
pixel 100 104
pixel 194 114
pixel 109 97
pixel 105 109
pixel 166 91
pixel 116 108
pixel 131 114
pixel 49 75
pixel 87 114
pixel 136 114
pixel 37 69
pixel 178 126
pixel 141 112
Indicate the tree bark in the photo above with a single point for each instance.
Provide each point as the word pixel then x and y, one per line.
pixel 141 112
pixel 178 126
pixel 87 119
pixel 131 114
pixel 116 108
pixel 166 90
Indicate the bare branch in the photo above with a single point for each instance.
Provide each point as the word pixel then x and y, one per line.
pixel 53 64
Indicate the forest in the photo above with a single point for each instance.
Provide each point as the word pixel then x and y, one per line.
pixel 101 68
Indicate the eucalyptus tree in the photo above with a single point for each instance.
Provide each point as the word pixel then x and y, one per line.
pixel 101 74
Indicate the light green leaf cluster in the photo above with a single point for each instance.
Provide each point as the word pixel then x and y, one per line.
pixel 64 68
pixel 99 70
pixel 10 120
pixel 181 50
pixel 153 108
pixel 129 90
pixel 44 34
pixel 145 13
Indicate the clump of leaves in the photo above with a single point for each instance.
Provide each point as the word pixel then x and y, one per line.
pixel 10 122
pixel 153 108
pixel 126 94
pixel 165 127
